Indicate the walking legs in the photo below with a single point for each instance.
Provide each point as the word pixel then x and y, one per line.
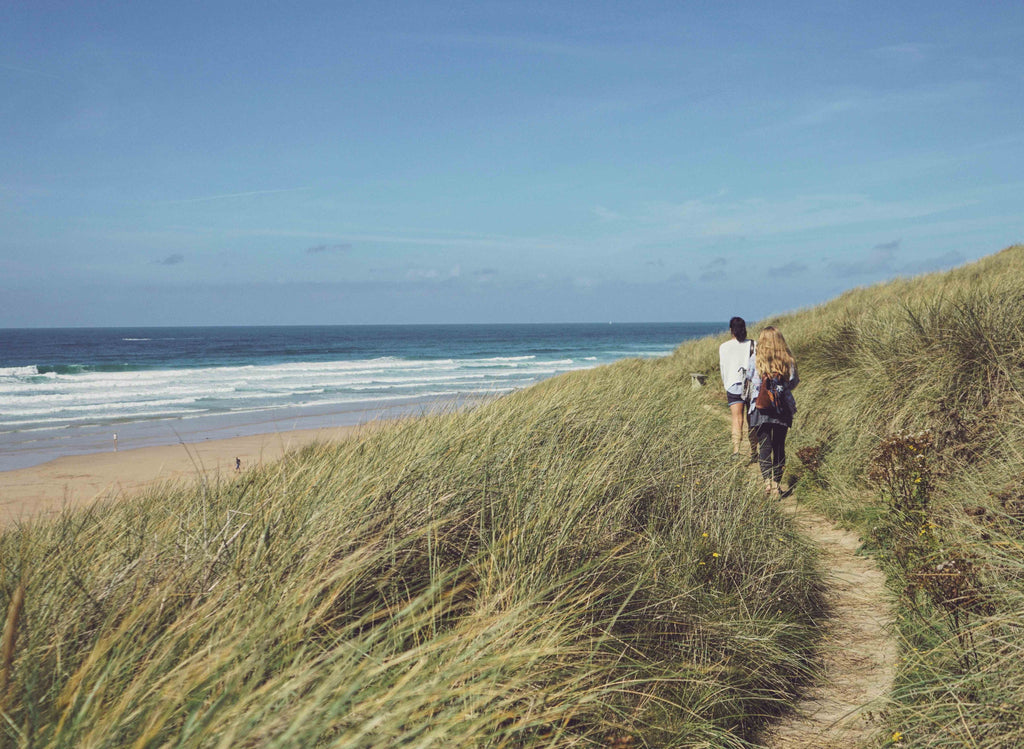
pixel 772 454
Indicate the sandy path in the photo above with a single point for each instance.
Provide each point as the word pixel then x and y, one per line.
pixel 81 479
pixel 859 650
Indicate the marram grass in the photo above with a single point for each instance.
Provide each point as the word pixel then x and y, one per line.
pixel 571 565
pixel 933 362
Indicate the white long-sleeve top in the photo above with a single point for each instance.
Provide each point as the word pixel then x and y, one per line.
pixel 733 357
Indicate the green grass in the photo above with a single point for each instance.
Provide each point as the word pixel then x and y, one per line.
pixel 571 565
pixel 935 360
pixel 565 566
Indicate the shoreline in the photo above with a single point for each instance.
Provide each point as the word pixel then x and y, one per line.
pixel 26 449
pixel 43 490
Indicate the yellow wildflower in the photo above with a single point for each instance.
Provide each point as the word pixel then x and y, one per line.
pixel 714 554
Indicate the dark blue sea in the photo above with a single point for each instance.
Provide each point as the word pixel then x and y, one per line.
pixel 66 391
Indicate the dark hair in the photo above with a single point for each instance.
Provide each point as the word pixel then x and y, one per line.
pixel 738 328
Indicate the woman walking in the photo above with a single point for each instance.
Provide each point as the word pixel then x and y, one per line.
pixel 733 360
pixel 773 376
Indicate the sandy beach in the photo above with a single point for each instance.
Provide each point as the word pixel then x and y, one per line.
pixel 44 489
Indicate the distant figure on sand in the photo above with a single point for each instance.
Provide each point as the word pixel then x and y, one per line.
pixel 238 464
pixel 733 360
pixel 115 442
pixel 773 376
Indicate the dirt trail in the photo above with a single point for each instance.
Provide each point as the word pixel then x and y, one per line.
pixel 859 650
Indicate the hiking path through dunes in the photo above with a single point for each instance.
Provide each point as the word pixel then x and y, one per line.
pixel 859 652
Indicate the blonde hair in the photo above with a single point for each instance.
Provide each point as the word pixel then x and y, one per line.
pixel 773 357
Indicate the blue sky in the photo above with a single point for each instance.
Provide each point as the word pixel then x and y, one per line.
pixel 401 162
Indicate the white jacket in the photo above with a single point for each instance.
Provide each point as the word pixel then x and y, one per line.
pixel 733 357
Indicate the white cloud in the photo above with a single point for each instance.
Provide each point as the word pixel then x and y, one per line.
pixel 328 249
pixel 433 274
pixel 604 214
pixel 768 216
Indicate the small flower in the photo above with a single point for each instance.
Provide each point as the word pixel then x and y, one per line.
pixel 897 737
pixel 703 535
pixel 714 554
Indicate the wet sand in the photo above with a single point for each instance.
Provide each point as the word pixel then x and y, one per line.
pixel 77 480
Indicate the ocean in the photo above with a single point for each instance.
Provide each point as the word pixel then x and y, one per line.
pixel 68 391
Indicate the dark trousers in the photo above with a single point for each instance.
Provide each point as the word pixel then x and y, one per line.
pixel 771 450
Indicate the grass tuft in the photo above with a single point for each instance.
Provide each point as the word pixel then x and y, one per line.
pixel 571 565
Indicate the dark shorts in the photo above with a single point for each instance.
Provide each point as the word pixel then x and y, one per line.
pixel 730 398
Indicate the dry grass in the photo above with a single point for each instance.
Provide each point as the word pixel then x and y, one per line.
pixel 935 358
pixel 570 565
pixel 576 564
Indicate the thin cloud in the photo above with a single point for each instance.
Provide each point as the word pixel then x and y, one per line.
pixel 761 217
pixel 714 270
pixel 939 262
pixel 829 110
pixel 912 52
pixel 878 260
pixel 176 259
pixel 794 268
pixel 229 195
pixel 433 274
pixel 31 71
pixel 919 99
pixel 328 249
pixel 515 43
pixel 606 214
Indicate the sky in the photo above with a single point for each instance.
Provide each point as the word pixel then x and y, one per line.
pixel 223 163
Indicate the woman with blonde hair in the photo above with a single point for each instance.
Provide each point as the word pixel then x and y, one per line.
pixel 773 375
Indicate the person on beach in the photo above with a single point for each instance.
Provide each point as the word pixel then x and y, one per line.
pixel 772 366
pixel 733 360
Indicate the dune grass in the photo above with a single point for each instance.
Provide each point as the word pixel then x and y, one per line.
pixel 576 564
pixel 911 429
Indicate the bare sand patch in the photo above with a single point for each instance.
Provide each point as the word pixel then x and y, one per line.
pixel 78 480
